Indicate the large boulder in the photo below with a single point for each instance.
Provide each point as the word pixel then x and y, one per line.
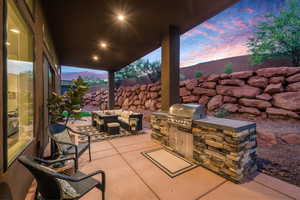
pixel 209 85
pixel 243 74
pixel 230 107
pixel 184 92
pixel 245 91
pixel 203 100
pixel 264 96
pixel 258 81
pixel 213 77
pixel 235 82
pixel 291 138
pixel 287 100
pixel 204 91
pixel 191 84
pixel 266 138
pixel 249 110
pixel 277 79
pixel 215 102
pixel 281 113
pixel 294 87
pixel 274 88
pixel 190 99
pixel 277 71
pixel 261 104
pixel 228 99
pixel 294 78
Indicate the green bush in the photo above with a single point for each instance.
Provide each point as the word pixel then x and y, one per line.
pixel 198 74
pixel 228 68
pixel 221 113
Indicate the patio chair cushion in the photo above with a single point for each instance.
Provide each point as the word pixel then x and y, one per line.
pixel 68 190
pixel 63 137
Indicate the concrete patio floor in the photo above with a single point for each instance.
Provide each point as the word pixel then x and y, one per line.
pixel 131 176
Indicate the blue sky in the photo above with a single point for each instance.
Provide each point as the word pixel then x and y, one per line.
pixel 222 36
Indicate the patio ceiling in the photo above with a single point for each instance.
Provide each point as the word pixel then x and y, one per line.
pixel 78 26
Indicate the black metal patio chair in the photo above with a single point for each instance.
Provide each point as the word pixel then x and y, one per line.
pixel 60 135
pixel 55 186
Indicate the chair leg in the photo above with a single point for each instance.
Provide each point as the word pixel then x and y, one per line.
pixel 103 195
pixel 76 163
pixel 90 153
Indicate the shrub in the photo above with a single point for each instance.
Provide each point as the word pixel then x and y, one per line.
pixel 228 68
pixel 198 74
pixel 221 113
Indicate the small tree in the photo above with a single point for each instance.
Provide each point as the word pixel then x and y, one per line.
pixel 182 77
pixel 70 102
pixel 228 68
pixel 198 74
pixel 278 36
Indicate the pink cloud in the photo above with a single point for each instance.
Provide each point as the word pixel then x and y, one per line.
pixel 213 28
pixel 228 26
pixel 255 19
pixel 239 23
pixel 195 32
pixel 249 10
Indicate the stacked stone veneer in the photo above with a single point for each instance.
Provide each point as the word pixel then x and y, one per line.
pixel 267 92
pixel 229 152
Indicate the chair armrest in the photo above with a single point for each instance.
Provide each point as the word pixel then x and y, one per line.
pixel 90 175
pixel 50 162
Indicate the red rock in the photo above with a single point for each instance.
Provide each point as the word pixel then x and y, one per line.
pixel 278 79
pixel 264 96
pixel 266 138
pixel 213 77
pixel 228 99
pixel 184 92
pixel 291 138
pixel 224 76
pixel 204 91
pixel 258 81
pixel 215 102
pixel 236 82
pixel 190 99
pixel 245 91
pixel 209 85
pixel 292 70
pixel 231 107
pixel 274 88
pixel 253 111
pixel 154 95
pixel 203 100
pixel 244 74
pixel 143 87
pixel 190 85
pixel 202 79
pixel 155 88
pixel 294 78
pixel 261 104
pixel 287 100
pixel 273 71
pixel 282 112
pixel 294 87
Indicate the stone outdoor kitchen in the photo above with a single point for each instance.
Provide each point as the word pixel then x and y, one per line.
pixel 226 147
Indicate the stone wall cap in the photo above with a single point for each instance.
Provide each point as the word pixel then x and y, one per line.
pixel 226 124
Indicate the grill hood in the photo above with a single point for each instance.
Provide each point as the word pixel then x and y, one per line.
pixel 189 111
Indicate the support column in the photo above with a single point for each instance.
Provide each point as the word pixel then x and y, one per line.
pixel 111 89
pixel 170 68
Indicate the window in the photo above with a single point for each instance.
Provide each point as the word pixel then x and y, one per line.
pixel 19 82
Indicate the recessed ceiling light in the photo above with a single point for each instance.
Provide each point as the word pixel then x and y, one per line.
pixel 7 43
pixel 95 58
pixel 15 30
pixel 103 45
pixel 121 17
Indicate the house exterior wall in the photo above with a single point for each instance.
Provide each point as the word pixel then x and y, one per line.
pixel 15 180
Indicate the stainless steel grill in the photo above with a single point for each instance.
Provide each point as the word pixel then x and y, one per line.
pixel 182 115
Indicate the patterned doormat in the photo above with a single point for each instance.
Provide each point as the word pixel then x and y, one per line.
pixel 97 135
pixel 169 162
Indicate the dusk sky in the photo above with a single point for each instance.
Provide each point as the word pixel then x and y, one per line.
pixel 222 36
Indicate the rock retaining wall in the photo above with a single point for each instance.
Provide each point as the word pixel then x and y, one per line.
pixel 266 92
